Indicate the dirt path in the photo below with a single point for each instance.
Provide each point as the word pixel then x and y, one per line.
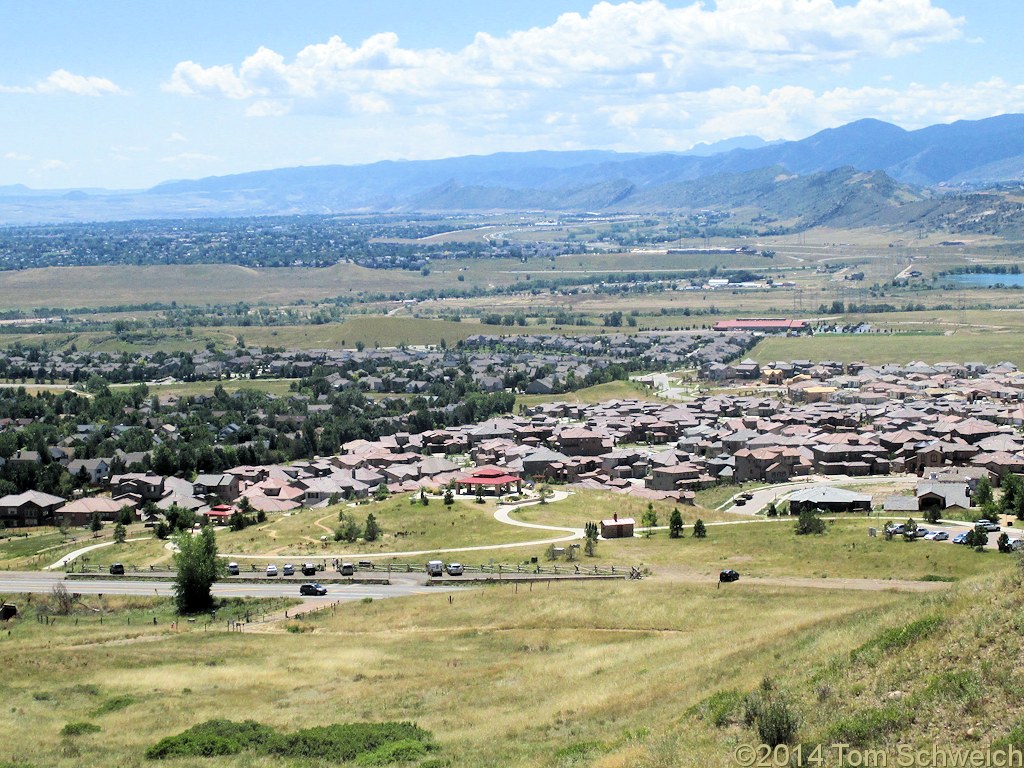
pixel 688 576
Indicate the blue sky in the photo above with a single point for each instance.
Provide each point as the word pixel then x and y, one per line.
pixel 123 94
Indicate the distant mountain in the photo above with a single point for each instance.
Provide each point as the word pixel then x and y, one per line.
pixel 962 153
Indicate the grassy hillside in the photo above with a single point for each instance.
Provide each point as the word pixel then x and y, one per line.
pixel 647 675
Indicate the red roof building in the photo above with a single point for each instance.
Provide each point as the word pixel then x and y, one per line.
pixel 490 479
pixel 764 324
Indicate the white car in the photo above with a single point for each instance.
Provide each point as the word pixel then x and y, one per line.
pixel 271 570
pixel 455 569
pixel 937 536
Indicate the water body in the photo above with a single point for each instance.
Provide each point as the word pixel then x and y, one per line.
pixel 988 279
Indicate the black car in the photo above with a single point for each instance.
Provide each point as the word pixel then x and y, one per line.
pixel 312 589
pixel 116 569
pixel 728 575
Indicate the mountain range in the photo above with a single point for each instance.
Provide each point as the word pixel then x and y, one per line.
pixel 884 162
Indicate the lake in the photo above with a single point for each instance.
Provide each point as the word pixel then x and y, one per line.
pixel 988 279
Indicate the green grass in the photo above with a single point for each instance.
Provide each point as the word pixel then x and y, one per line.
pixel 406 527
pixel 613 390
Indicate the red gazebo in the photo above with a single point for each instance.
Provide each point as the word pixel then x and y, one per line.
pixel 488 479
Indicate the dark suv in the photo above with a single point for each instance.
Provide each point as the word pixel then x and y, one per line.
pixel 312 589
pixel 728 575
pixel 116 569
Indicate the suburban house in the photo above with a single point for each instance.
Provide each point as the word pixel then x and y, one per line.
pixel 828 499
pixel 29 508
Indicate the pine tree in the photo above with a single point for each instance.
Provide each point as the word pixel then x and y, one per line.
pixel 675 525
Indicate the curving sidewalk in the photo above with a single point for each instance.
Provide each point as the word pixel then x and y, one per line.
pixel 72 556
pixel 501 514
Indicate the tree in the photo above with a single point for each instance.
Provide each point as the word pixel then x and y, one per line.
pixel 197 571
pixel 162 530
pixel 772 510
pixel 590 531
pixel 1012 501
pixel 119 533
pixel 423 497
pixel 348 530
pixel 809 523
pixel 649 519
pixel 381 493
pixel 590 547
pixel 910 530
pixel 126 517
pixel 982 492
pixel 977 538
pixel 449 497
pixel 95 524
pixel 371 531
pixel 1003 542
pixel 699 531
pixel 932 514
pixel 675 524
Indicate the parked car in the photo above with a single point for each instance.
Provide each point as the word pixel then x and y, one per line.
pixel 435 568
pixel 347 569
pixel 960 538
pixel 116 569
pixel 308 569
pixel 233 569
pixel 289 569
pixel 740 502
pixel 746 495
pixel 896 529
pixel 921 533
pixel 271 570
pixel 455 569
pixel 312 588
pixel 937 536
pixel 729 575
pixel 1016 545
pixel 986 525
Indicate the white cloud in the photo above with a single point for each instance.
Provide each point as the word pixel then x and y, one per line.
pixel 17 156
pixel 176 137
pixel 61 81
pixel 638 49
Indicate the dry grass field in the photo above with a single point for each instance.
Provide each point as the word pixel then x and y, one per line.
pixel 647 674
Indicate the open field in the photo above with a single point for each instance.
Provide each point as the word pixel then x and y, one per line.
pixel 406 527
pixel 770 548
pixel 613 390
pixel 614 675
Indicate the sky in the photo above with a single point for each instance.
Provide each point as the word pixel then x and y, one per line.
pixel 123 94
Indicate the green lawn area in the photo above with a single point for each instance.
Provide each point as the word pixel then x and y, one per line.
pixel 613 390
pixel 406 527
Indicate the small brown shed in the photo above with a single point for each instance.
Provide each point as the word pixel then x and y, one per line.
pixel 616 528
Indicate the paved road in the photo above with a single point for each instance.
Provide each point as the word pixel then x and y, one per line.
pixel 37 581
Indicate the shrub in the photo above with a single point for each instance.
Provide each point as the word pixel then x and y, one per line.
pixel 212 738
pixel 403 751
pixel 720 708
pixel 769 711
pixel 776 722
pixel 870 725
pixel 78 729
pixel 345 741
pixel 897 637
pixel 809 523
pixel 113 705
